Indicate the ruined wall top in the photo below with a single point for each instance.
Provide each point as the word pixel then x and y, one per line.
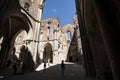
pixel 53 23
pixel 56 23
pixel 75 19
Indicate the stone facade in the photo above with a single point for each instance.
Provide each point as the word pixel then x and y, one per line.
pixel 52 33
pixel 24 36
pixel 52 41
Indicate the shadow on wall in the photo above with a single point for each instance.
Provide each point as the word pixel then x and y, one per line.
pixel 38 60
pixel 26 58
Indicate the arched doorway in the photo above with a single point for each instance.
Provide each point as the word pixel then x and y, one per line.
pixel 10 26
pixel 48 53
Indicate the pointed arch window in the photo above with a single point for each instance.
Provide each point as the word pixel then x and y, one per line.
pixel 49 24
pixel 48 30
pixel 68 35
pixel 68 38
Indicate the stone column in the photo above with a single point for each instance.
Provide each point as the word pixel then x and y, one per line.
pixel 55 52
pixel 55 57
pixel 107 13
pixel 36 41
pixel 41 54
pixel 4 52
pixel 97 45
pixel 37 30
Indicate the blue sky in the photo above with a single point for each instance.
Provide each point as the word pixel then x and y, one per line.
pixel 63 9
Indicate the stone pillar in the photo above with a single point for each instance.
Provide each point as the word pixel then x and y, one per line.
pixel 37 29
pixel 41 55
pixel 87 53
pixel 107 13
pixel 97 45
pixel 4 52
pixel 55 57
pixel 55 51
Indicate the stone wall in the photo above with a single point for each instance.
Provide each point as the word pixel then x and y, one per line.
pixel 53 33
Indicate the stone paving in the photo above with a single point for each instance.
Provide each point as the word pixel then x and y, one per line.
pixel 52 72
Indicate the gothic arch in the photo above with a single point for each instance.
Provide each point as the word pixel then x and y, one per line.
pixel 11 24
pixel 12 18
pixel 18 40
pixel 69 28
pixel 44 45
pixel 42 48
pixel 23 25
pixel 48 53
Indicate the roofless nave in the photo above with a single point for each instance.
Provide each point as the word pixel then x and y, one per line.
pixel 24 36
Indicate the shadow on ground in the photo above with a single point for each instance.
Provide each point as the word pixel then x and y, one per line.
pixel 72 72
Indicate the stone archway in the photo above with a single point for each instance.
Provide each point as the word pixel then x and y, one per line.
pixel 20 40
pixel 17 41
pixel 48 53
pixel 10 26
